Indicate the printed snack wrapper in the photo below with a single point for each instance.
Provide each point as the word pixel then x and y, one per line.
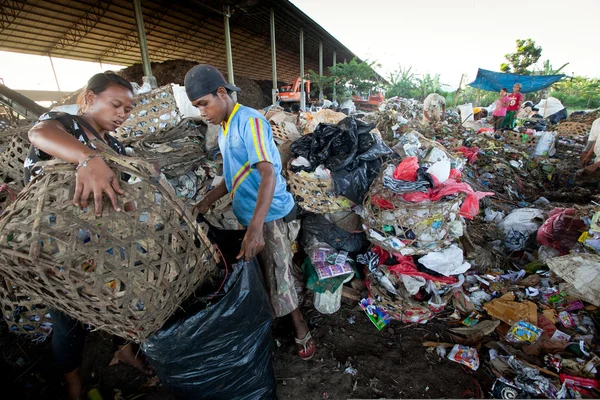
pixel 465 355
pixel 378 316
pixel 523 332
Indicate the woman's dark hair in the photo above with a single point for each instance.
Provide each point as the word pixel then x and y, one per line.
pixel 100 82
pixel 505 89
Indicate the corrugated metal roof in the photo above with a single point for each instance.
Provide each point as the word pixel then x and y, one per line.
pixel 105 31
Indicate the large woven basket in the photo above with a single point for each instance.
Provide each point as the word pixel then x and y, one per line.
pixel 316 195
pixel 13 158
pixel 25 315
pixel 427 226
pixel 573 129
pixel 520 140
pixel 125 272
pixel 153 112
pixel 401 307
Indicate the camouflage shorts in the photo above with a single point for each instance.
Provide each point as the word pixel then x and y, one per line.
pixel 276 262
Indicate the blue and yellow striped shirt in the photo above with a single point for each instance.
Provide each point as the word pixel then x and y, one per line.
pixel 245 140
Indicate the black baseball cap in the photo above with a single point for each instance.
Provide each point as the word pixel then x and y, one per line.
pixel 204 79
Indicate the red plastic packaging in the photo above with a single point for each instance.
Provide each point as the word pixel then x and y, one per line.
pixel 407 169
pixel 561 230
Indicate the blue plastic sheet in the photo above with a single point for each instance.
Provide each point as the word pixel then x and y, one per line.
pixel 494 81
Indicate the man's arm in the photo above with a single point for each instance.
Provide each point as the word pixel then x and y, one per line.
pixel 212 196
pixel 254 241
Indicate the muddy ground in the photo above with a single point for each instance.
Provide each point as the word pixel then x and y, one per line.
pixel 389 364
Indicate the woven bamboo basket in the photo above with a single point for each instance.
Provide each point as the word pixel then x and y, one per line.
pixel 521 141
pixel 13 158
pixel 316 195
pixel 279 132
pixel 175 151
pixel 401 307
pixel 422 227
pixel 573 129
pixel 125 272
pixel 25 315
pixel 153 112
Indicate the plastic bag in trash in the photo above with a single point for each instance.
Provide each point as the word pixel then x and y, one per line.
pixel 561 230
pixel 518 226
pixel 317 229
pixel 355 183
pixel 220 352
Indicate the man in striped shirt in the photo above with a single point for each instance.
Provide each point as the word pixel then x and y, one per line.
pixel 261 202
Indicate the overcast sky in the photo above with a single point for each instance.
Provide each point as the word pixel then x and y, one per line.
pixel 452 37
pixel 449 37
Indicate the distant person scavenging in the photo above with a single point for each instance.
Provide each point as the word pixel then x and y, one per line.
pixel 434 108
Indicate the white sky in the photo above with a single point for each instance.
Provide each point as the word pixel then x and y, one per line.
pixel 452 37
pixel 29 72
pixel 449 37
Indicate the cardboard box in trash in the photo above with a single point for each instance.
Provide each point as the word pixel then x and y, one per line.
pixel 153 112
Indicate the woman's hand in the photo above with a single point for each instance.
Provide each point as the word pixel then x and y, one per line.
pixel 97 178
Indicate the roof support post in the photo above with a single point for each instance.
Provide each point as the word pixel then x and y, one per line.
pixel 228 53
pixel 54 72
pixel 141 31
pixel 321 72
pixel 302 91
pixel 334 82
pixel 273 58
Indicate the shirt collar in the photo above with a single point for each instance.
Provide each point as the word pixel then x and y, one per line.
pixel 225 125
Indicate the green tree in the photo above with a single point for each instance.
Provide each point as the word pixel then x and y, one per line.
pixel 527 54
pixel 354 77
pixel 318 83
pixel 402 83
pixel 578 92
pixel 428 84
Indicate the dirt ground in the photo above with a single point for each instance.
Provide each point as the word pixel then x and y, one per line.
pixel 389 364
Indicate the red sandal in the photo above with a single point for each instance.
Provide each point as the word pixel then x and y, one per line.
pixel 308 347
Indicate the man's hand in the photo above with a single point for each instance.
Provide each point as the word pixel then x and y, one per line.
pixel 585 158
pixel 202 206
pixel 253 242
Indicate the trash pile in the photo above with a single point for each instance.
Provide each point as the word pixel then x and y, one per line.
pixel 516 283
pixel 348 155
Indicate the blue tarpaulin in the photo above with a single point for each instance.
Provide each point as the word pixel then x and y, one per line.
pixel 494 81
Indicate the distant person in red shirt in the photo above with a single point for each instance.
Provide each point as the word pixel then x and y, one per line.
pixel 515 100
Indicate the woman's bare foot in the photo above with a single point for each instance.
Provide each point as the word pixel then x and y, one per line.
pixel 127 355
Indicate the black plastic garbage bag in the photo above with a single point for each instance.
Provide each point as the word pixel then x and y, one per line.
pixel 302 146
pixel 558 116
pixel 355 183
pixel 222 351
pixel 318 229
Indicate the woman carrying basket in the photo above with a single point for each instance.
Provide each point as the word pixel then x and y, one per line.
pixel 105 104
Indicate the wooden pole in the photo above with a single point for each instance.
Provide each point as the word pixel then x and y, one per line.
pixel 458 90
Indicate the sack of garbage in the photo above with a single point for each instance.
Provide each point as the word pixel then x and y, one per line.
pixel 222 351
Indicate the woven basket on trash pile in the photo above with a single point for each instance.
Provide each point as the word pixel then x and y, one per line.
pixel 573 129
pixel 422 227
pixel 13 158
pixel 153 112
pixel 521 141
pixel 316 195
pixel 25 315
pixel 401 307
pixel 279 132
pixel 125 272
pixel 176 151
